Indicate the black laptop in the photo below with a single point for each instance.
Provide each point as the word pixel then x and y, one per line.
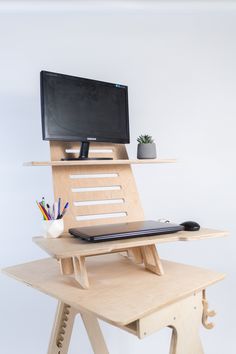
pixel 110 232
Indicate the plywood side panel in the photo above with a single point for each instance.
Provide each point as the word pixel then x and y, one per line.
pixel 96 183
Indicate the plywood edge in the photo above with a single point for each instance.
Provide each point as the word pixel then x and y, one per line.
pixel 99 162
pixel 209 233
pixel 131 327
pixel 101 247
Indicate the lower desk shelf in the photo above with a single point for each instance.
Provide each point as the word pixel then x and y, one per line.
pixel 121 292
pixel 125 296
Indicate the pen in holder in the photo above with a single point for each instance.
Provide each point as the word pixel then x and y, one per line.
pixel 52 228
pixel 52 224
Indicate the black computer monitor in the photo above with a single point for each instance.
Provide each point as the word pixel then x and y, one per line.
pixel 79 109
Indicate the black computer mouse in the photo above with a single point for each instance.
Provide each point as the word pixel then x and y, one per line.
pixel 190 226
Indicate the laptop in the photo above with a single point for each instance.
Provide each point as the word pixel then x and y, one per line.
pixel 119 231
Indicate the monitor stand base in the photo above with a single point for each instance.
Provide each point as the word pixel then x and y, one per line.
pixel 84 151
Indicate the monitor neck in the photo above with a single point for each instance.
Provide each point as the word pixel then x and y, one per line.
pixel 84 150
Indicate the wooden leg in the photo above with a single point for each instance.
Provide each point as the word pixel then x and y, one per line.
pixel 187 320
pixel 95 334
pixel 186 340
pixel 184 317
pixel 62 329
pixel 136 255
pixel 76 266
pixel 80 272
pixel 152 260
pixel 66 266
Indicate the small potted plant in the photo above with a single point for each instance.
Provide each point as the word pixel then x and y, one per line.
pixel 146 147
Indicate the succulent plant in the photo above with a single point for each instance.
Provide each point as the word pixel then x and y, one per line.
pixel 145 139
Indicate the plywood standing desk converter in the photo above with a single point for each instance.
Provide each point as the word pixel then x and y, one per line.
pixel 121 293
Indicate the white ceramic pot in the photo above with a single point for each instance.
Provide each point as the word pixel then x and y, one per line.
pixel 52 228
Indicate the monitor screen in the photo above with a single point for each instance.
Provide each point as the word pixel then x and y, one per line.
pixel 78 109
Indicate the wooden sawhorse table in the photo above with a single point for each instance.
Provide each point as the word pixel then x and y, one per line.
pixel 127 296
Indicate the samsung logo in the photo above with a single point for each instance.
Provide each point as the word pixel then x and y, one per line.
pixel 91 138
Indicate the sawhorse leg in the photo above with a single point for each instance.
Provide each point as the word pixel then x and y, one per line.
pixel 62 329
pixel 95 334
pixel 182 344
pixel 185 334
pixel 184 317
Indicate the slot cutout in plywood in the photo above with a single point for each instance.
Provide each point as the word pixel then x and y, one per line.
pixel 104 208
pixel 97 195
pixel 99 202
pixel 101 216
pixel 95 182
pixel 98 175
pixel 92 189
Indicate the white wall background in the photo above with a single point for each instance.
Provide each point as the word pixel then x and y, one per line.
pixel 178 60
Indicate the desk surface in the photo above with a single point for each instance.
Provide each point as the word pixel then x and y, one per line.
pixel 120 292
pixel 68 246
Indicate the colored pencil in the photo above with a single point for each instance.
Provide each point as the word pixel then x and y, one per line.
pixel 45 211
pixel 41 209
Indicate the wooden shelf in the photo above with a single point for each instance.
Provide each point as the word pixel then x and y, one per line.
pixel 121 292
pixel 98 162
pixel 69 246
pixel 71 252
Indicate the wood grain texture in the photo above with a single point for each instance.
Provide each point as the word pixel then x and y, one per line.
pixel 80 271
pixel 122 177
pixel 152 260
pixel 115 283
pixel 184 317
pixel 186 323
